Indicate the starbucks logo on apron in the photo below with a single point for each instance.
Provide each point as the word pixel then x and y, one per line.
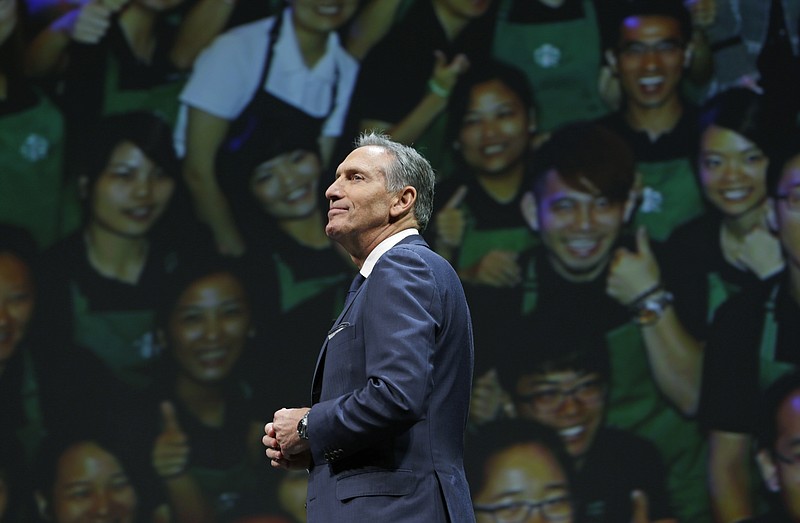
pixel 547 56
pixel 147 346
pixel 651 200
pixel 34 148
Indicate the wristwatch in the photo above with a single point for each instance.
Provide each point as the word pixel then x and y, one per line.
pixel 651 308
pixel 302 426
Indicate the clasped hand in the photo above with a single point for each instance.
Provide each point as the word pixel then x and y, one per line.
pixel 285 449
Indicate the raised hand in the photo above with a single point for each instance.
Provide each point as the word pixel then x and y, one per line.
pixel 87 24
pixel 450 221
pixel 488 399
pixel 639 507
pixel 498 269
pixel 171 450
pixel 703 12
pixel 445 74
pixel 631 274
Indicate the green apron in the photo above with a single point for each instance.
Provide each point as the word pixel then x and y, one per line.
pixel 162 99
pixel 33 193
pixel 770 370
pixel 635 404
pixel 225 487
pixel 477 243
pixel 124 340
pixel 561 60
pixel 33 432
pixel 295 292
pixel 718 291
pixel 670 197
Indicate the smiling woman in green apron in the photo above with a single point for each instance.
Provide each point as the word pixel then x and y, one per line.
pixel 275 180
pixel 33 192
pixel 753 341
pixel 198 424
pixel 477 223
pixel 103 281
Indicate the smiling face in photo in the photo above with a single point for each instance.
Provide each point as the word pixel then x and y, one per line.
pixel 733 171
pixel 494 132
pixel 209 327
pixel 131 193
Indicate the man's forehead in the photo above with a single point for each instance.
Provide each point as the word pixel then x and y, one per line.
pixel 557 186
pixel 648 27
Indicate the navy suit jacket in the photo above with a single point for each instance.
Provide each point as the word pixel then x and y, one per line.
pixel 391 396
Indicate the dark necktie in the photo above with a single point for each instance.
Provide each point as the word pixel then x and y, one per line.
pixel 351 292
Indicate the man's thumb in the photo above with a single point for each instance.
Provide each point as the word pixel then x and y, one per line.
pixel 169 419
pixel 642 241
pixel 639 507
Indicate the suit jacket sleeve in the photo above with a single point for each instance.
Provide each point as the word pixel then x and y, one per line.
pixel 395 319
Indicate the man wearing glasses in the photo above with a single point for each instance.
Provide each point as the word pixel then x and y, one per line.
pixel 564 386
pixel 519 472
pixel 580 198
pixel 650 50
pixel 779 449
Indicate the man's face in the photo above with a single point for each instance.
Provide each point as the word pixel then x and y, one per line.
pixel 578 228
pixel 572 403
pixel 519 475
pixel 787 453
pixel 787 211
pixel 360 204
pixel 649 60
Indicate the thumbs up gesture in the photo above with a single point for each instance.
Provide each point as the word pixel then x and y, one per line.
pixel 88 23
pixel 639 507
pixel 171 451
pixel 631 274
pixel 450 222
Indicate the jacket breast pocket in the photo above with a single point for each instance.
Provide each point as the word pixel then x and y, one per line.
pixel 399 482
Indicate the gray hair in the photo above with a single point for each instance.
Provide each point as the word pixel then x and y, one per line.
pixel 408 168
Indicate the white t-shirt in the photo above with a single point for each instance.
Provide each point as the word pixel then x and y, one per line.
pixel 226 74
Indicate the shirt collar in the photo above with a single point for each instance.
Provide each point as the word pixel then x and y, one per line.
pixel 382 247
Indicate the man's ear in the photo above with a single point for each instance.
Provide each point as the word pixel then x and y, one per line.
pixel 611 59
pixel 83 187
pixel 772 215
pixel 404 202
pixel 533 121
pixel 161 339
pixel 769 472
pixel 42 506
pixel 633 197
pixel 529 210
pixel 688 54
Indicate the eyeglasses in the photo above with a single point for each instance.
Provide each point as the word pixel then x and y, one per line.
pixel 791 461
pixel 551 398
pixel 792 198
pixel 639 49
pixel 554 509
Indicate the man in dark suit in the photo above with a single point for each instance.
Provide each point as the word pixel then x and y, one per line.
pixel 383 440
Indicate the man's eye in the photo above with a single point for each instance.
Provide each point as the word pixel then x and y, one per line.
pixel 563 205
